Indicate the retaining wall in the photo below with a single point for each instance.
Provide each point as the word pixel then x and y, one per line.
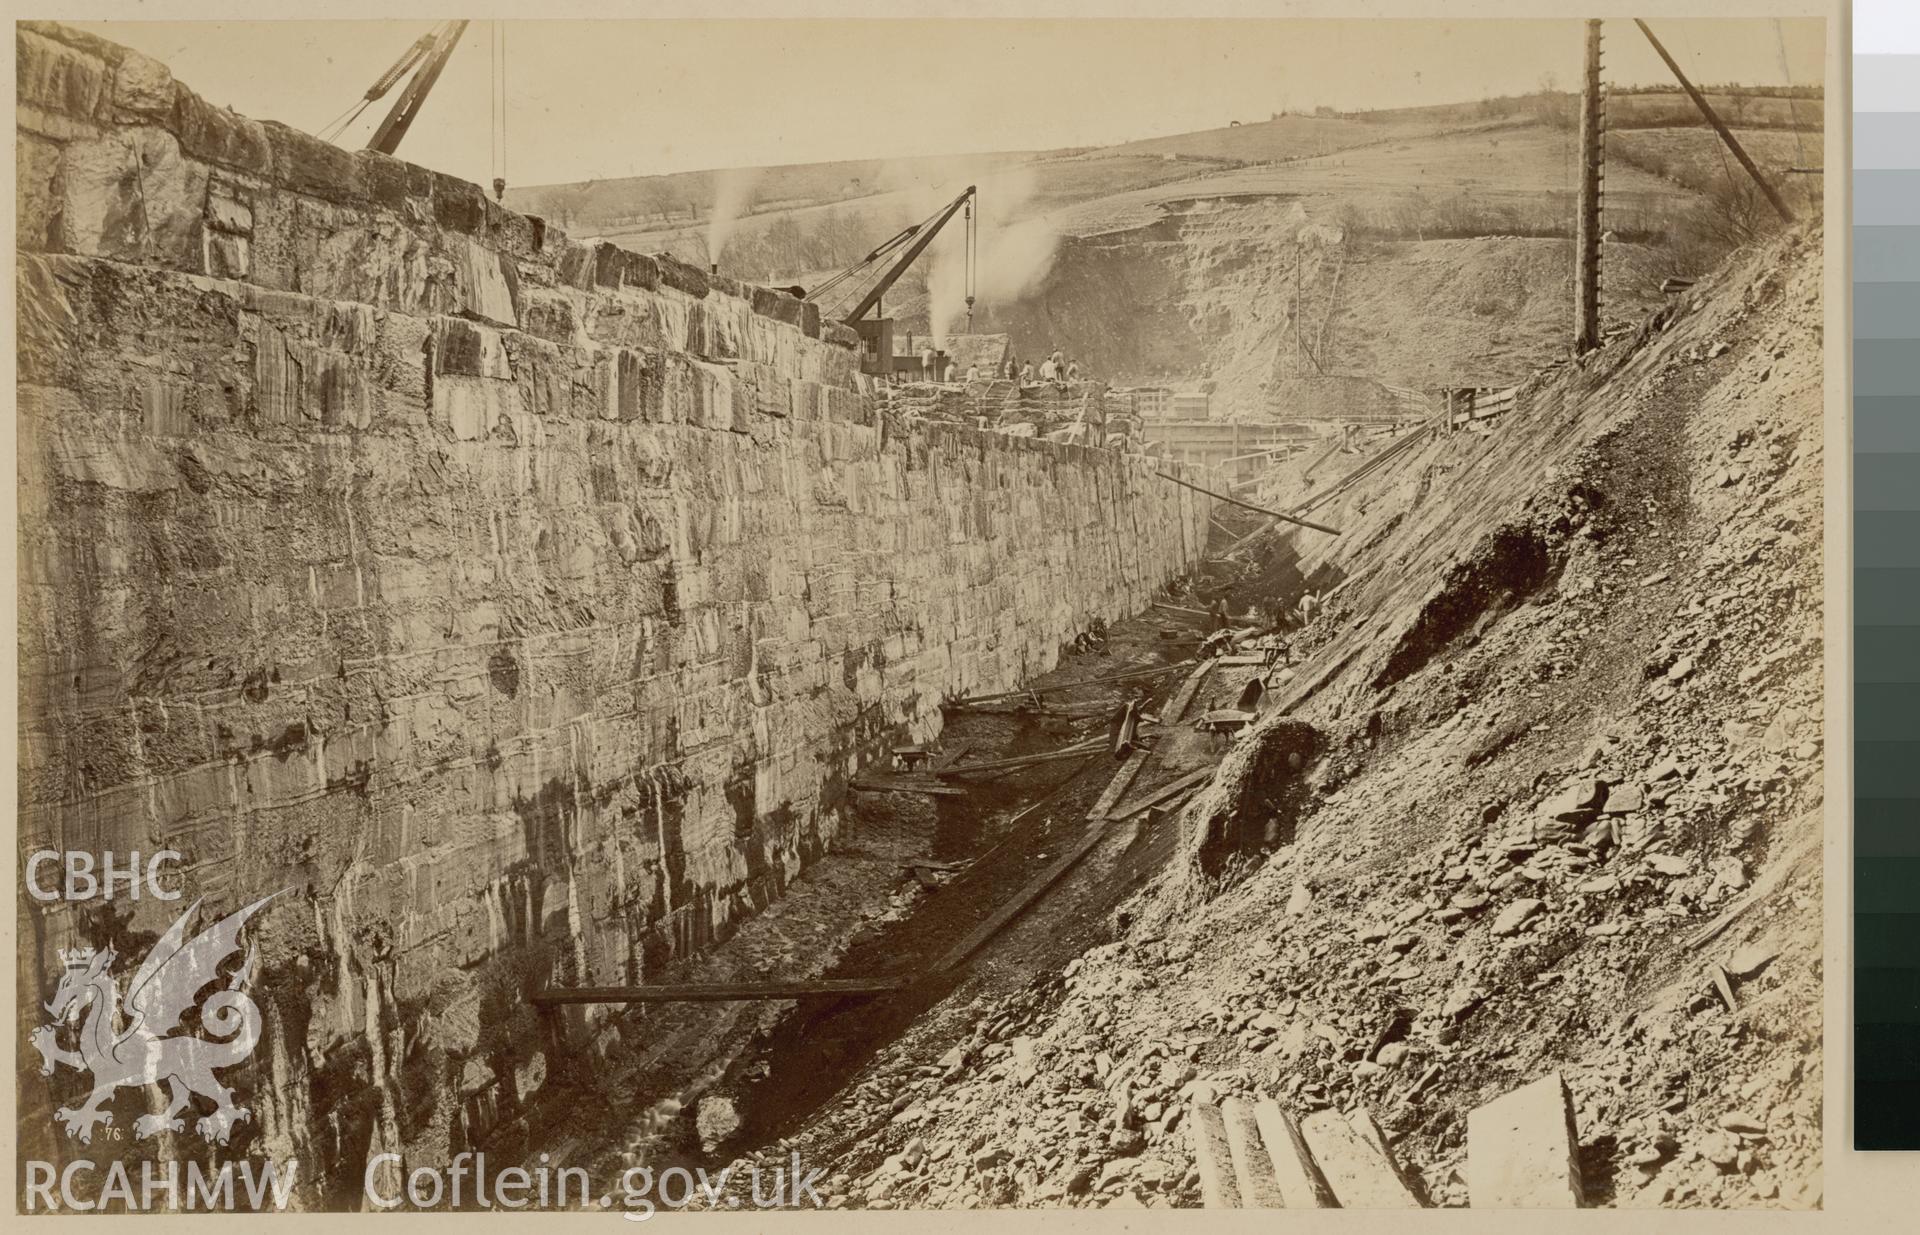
pixel 522 605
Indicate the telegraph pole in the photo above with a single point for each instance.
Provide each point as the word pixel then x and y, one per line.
pixel 1586 236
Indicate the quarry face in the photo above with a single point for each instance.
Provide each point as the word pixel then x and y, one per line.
pixel 515 704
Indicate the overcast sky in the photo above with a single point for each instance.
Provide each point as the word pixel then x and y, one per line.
pixel 589 99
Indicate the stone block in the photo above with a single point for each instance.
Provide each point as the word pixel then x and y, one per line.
pixel 304 164
pixel 132 196
pixel 484 280
pixel 1354 1170
pixel 51 74
pixel 1298 1179
pixel 459 206
pixel 36 188
pixel 682 276
pixel 778 305
pixel 1523 1151
pixel 221 137
pixel 143 89
pixel 466 349
pixel 1253 1170
pixel 398 186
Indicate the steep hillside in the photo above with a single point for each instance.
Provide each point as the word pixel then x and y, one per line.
pixel 1251 295
pixel 1566 693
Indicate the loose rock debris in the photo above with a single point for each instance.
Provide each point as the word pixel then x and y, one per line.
pixel 1585 952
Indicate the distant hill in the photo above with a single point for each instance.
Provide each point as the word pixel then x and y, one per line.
pixel 1425 246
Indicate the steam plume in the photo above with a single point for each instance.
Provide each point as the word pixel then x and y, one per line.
pixel 732 197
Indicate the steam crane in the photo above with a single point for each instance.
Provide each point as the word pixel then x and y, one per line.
pixel 876 332
pixel 425 59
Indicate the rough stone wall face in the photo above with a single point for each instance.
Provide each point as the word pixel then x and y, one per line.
pixel 524 605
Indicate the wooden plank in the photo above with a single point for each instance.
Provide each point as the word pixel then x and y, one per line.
pixel 1024 691
pixel 949 758
pixel 1242 658
pixel 1183 698
pixel 902 784
pixel 1359 1177
pixel 1523 1151
pixel 718 992
pixel 1763 886
pixel 1252 1170
pixel 1118 785
pixel 1299 1179
pixel 1013 908
pixel 1213 1157
pixel 1258 510
pixel 1161 794
pixel 1023 761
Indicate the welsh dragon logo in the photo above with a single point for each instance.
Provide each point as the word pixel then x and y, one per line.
pixel 126 1046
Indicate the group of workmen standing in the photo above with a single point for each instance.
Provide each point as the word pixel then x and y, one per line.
pixel 1055 370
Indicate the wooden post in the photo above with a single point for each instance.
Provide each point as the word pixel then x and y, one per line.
pixel 1586 258
pixel 1700 101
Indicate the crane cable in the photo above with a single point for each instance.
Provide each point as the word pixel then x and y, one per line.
pixel 972 260
pixel 497 111
pixel 885 247
pixel 385 82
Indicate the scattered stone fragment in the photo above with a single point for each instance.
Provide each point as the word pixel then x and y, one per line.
pixel 1623 799
pixel 1721 1150
pixel 1751 959
pixel 1514 916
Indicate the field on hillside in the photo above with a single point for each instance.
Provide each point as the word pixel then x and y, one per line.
pixel 1696 159
pixel 646 206
pixel 1649 109
pixel 1391 185
pixel 809 237
pixel 1428 247
pixel 641 207
pixel 640 204
pixel 1283 137
pixel 1009 193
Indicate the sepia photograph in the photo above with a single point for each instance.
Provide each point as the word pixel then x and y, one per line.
pixel 630 616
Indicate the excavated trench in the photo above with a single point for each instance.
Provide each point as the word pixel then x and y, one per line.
pixel 771 1067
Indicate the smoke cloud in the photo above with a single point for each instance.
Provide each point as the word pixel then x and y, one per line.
pixel 732 197
pixel 1016 248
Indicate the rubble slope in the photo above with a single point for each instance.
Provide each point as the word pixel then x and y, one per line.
pixel 1567 677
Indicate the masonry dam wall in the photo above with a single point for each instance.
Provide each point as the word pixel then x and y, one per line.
pixel 525 607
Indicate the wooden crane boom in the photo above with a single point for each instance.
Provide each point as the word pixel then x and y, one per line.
pixel 925 238
pixel 386 138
